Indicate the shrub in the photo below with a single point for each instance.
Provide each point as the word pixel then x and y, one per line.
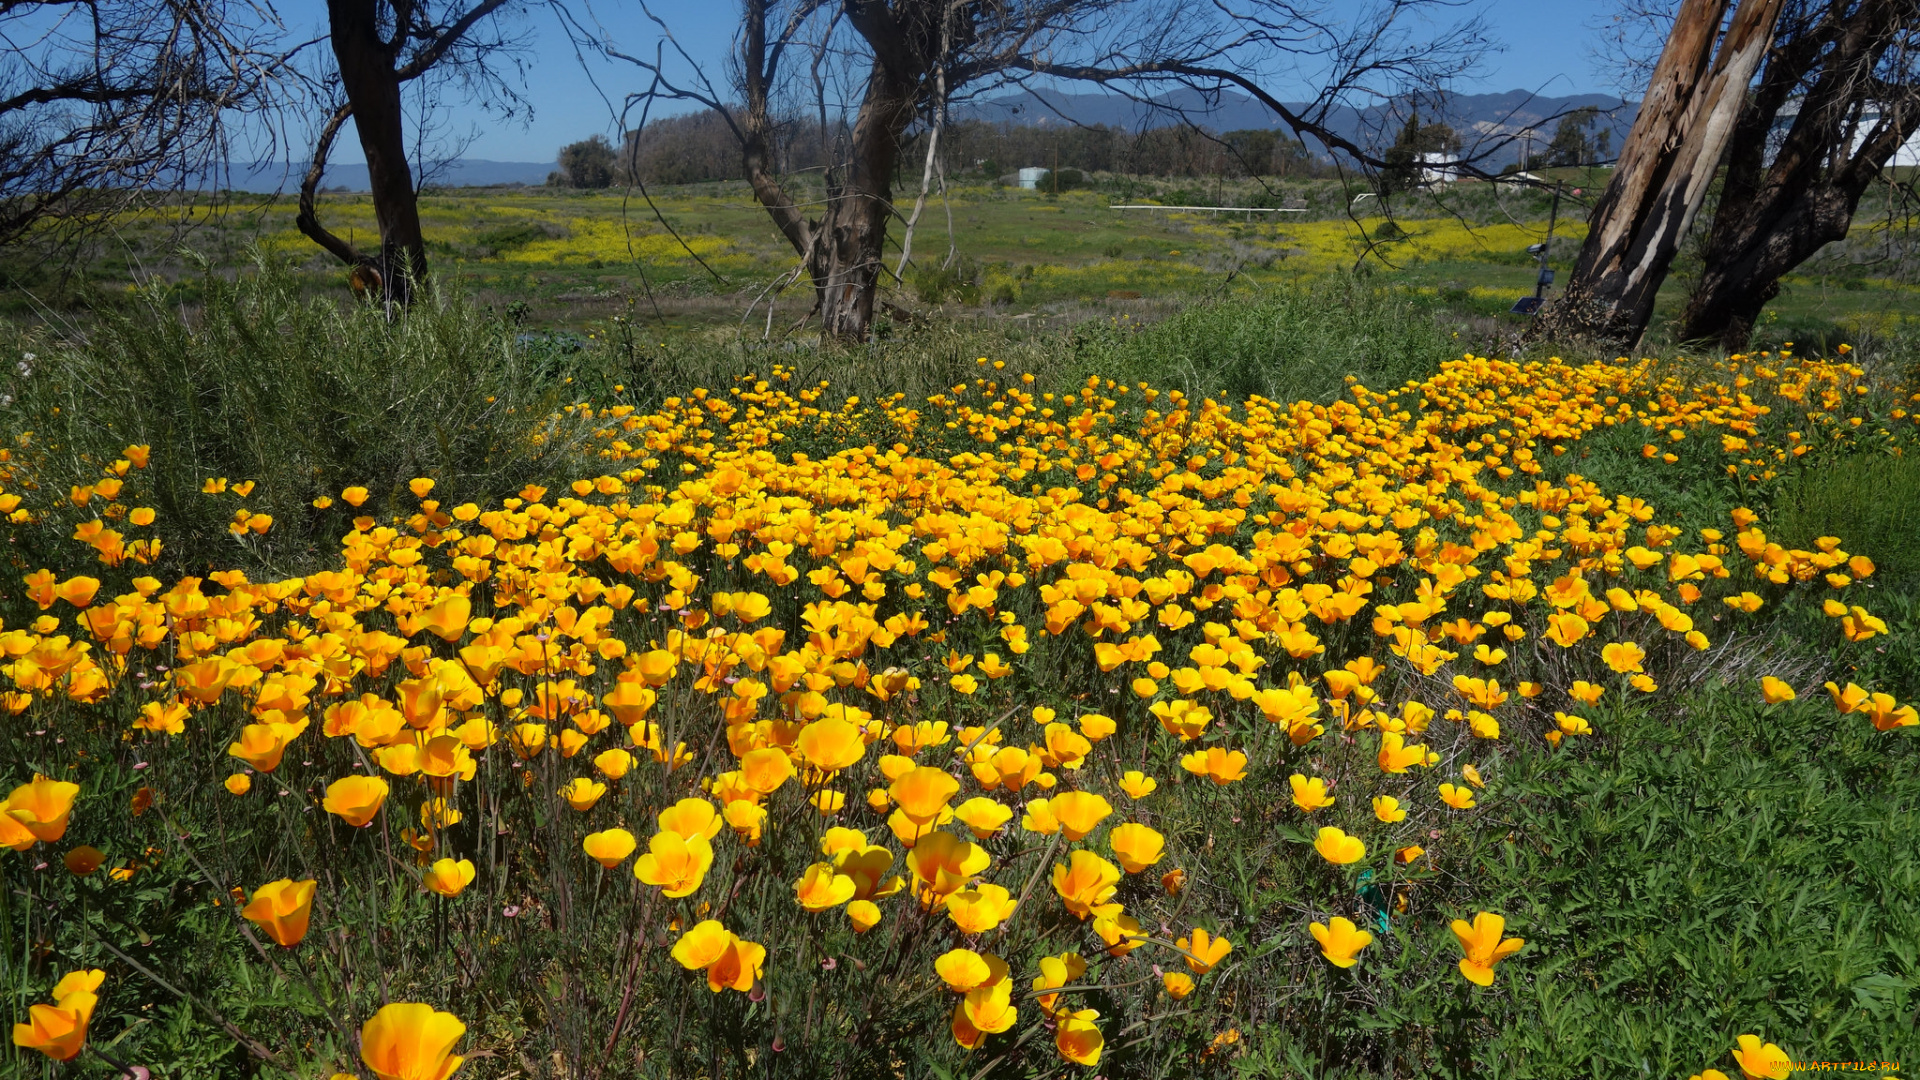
pixel 290 400
pixel 1063 180
pixel 935 284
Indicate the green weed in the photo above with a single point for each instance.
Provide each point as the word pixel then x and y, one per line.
pixel 1871 500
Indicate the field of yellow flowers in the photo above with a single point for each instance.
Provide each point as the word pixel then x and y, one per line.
pixel 1012 731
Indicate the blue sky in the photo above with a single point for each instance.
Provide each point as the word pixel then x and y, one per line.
pixel 1548 49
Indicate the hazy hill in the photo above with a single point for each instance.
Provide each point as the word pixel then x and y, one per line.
pixel 1486 115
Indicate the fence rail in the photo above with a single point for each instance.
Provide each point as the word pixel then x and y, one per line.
pixel 1234 209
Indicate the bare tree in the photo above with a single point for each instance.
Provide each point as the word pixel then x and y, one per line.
pixel 106 104
pixel 1843 79
pixel 379 47
pixel 914 58
pixel 1686 120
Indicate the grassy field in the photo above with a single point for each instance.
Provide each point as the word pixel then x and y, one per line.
pixel 568 261
pixel 592 500
pixel 547 596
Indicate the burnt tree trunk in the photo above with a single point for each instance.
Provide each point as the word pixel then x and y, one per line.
pixel 372 69
pixel 1775 214
pixel 1670 156
pixel 848 253
pixel 842 252
pixel 372 84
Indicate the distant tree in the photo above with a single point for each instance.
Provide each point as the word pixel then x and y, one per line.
pixel 1401 173
pixel 585 164
pixel 1292 158
pixel 683 149
pixel 1404 158
pixel 1250 152
pixel 697 146
pixel 1063 180
pixel 105 104
pixel 1572 144
pixel 1170 151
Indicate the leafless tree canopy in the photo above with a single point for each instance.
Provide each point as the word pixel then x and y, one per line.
pixel 883 67
pixel 104 103
pixel 878 66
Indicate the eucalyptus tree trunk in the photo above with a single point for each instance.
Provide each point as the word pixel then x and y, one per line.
pixel 1775 212
pixel 1685 123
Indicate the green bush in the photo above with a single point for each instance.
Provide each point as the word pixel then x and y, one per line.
pixel 1064 180
pixel 516 235
pixel 935 284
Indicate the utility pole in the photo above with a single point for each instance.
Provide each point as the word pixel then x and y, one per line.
pixel 1530 305
pixel 1546 274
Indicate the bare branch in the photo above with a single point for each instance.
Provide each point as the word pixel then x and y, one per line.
pixel 308 219
pixel 108 106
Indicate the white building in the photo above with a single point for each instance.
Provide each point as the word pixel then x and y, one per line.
pixel 1908 154
pixel 1438 168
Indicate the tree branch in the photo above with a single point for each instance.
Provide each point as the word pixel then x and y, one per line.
pixel 308 220
pixel 431 54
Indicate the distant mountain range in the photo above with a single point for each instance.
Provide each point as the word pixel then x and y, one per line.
pixel 1474 116
pixel 1514 113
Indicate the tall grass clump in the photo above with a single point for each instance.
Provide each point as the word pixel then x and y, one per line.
pixel 299 397
pixel 1871 497
pixel 1301 341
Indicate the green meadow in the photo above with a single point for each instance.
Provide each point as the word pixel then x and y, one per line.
pixel 704 257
